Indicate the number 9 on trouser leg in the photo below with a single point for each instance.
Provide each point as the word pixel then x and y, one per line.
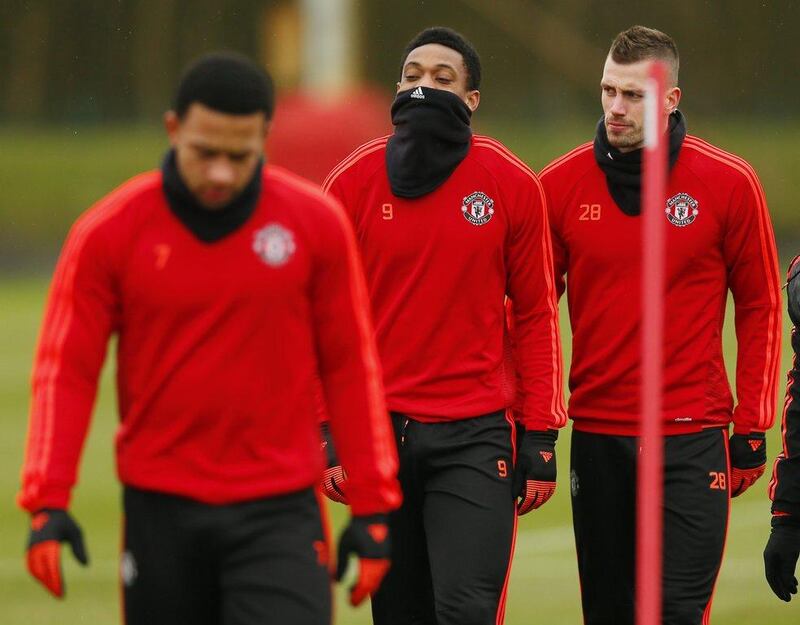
pixel 453 535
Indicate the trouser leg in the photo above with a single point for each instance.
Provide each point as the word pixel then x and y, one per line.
pixel 696 502
pixel 406 595
pixel 274 563
pixel 603 486
pixel 168 565
pixel 470 519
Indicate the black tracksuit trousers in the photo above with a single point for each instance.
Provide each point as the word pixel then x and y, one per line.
pixel 258 562
pixel 696 503
pixel 453 536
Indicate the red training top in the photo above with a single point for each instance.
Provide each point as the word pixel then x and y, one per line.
pixel 220 348
pixel 438 268
pixel 718 237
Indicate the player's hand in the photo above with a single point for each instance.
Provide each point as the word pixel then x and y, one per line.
pixel 780 556
pixel 334 477
pixel 49 528
pixel 748 460
pixel 368 538
pixel 535 471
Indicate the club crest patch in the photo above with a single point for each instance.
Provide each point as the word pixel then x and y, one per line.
pixel 477 208
pixel 274 244
pixel 128 569
pixel 681 210
pixel 574 485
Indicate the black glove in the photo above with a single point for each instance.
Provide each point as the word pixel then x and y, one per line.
pixel 780 556
pixel 535 472
pixel 334 477
pixel 748 460
pixel 793 291
pixel 368 538
pixel 49 528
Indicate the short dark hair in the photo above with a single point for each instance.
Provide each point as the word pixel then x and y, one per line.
pixel 638 43
pixel 227 82
pixel 455 41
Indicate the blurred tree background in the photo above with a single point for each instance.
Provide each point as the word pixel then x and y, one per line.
pixel 95 61
pixel 85 83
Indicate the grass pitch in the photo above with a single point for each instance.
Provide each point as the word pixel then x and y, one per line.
pixel 544 581
pixel 50 175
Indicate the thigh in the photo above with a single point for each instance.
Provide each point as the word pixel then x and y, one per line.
pixel 603 488
pixel 696 502
pixel 470 521
pixel 406 595
pixel 274 563
pixel 167 569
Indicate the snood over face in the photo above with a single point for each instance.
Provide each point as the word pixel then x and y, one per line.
pixel 431 137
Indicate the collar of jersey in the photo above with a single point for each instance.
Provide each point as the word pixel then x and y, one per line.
pixel 207 225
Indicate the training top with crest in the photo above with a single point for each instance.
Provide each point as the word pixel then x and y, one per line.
pixel 221 349
pixel 718 238
pixel 439 268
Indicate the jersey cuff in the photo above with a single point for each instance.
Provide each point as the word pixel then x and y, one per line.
pixel 48 497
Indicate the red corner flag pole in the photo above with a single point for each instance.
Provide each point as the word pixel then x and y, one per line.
pixel 651 454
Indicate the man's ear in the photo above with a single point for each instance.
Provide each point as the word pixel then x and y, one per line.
pixel 473 99
pixel 672 100
pixel 171 124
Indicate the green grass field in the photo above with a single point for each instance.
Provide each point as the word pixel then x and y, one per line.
pixel 544 583
pixel 49 175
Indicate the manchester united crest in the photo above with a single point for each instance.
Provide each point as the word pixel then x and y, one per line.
pixel 477 208
pixel 681 210
pixel 274 244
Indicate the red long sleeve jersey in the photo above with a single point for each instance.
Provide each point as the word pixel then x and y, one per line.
pixel 718 238
pixel 438 268
pixel 221 346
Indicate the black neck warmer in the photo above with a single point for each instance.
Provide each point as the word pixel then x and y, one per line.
pixel 431 137
pixel 624 170
pixel 207 225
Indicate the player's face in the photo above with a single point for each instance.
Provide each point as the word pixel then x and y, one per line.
pixel 623 88
pixel 216 153
pixel 438 67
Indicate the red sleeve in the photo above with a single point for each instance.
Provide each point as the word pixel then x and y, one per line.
pixel 350 373
pixel 336 185
pixel 537 343
pixel 560 257
pixel 79 318
pixel 752 264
